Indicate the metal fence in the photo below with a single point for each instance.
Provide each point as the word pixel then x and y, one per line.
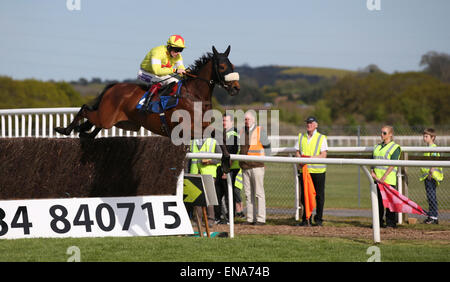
pixel 365 163
pixel 346 187
pixel 346 190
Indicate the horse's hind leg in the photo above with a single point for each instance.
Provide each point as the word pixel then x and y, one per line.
pixel 91 135
pixel 67 130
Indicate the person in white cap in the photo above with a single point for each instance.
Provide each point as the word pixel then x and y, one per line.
pixel 313 144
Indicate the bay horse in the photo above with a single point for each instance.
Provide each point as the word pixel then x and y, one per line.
pixel 116 104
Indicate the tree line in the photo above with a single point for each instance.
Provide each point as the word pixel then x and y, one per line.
pixel 31 93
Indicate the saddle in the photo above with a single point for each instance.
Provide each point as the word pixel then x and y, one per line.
pixel 159 99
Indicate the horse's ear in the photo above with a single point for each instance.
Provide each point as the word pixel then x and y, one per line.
pixel 215 51
pixel 227 52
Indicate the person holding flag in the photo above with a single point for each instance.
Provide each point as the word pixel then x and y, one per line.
pixel 386 150
pixel 312 176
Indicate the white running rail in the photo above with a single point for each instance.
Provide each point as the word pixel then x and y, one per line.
pixel 292 160
pixel 40 122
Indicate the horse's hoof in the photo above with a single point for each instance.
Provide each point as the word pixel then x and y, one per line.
pixel 62 130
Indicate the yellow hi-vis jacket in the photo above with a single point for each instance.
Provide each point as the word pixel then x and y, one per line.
pixel 209 146
pixel 159 62
pixel 385 153
pixel 194 162
pixel 312 149
pixel 239 181
pixel 436 172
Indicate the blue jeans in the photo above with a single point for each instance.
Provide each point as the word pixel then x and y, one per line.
pixel 430 188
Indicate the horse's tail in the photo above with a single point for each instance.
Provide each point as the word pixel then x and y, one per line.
pixel 96 102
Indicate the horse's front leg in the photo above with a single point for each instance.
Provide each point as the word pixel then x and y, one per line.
pixel 225 159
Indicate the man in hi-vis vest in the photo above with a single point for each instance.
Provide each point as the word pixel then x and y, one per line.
pixel 313 144
pixel 254 142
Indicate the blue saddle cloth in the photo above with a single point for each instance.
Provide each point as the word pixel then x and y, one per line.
pixel 162 104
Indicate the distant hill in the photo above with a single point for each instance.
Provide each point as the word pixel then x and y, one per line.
pixel 271 84
pixel 268 75
pixel 317 71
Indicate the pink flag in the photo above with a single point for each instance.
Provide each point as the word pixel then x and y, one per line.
pixel 396 202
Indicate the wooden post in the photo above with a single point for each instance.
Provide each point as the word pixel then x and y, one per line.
pixel 205 218
pixel 199 223
pixel 405 183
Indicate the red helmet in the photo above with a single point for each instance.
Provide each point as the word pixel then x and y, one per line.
pixel 176 41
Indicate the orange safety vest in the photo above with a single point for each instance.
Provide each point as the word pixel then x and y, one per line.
pixel 256 148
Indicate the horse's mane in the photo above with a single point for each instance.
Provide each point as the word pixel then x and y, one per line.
pixel 199 63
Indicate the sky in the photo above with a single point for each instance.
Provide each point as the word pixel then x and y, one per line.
pixel 70 39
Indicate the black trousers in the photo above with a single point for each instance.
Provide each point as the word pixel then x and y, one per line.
pixel 391 217
pixel 318 180
pixel 222 191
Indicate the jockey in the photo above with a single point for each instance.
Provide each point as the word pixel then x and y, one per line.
pixel 163 61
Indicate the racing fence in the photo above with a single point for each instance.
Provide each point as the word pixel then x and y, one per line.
pixel 346 186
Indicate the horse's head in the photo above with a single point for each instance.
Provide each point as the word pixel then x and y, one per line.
pixel 224 70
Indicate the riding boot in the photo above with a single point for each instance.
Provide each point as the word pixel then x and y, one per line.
pixel 149 98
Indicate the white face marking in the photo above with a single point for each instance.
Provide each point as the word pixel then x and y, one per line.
pixel 234 76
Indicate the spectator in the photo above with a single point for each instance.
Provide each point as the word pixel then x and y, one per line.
pixel 232 143
pixel 205 166
pixel 313 144
pixel 254 142
pixel 386 150
pixel 432 176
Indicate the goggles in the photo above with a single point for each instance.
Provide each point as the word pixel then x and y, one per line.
pixel 176 49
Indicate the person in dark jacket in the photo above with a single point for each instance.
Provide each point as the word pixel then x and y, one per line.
pixel 232 144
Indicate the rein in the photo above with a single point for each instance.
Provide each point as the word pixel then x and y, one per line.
pixel 211 82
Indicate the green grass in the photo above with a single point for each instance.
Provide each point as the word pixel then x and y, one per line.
pixel 242 248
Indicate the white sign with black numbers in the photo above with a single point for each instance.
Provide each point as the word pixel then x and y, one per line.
pixel 94 217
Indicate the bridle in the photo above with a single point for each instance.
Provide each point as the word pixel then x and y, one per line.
pixel 221 79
